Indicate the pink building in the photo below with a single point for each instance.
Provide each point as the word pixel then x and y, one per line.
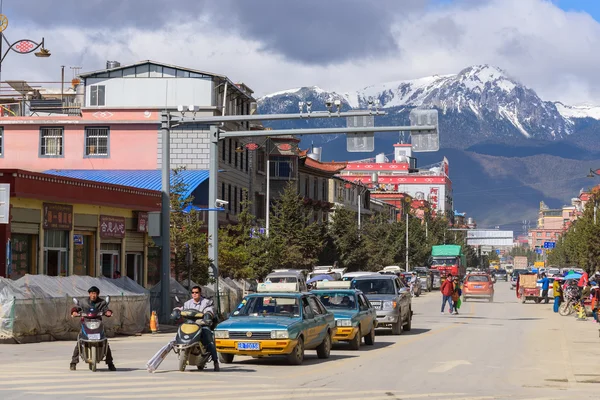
pixel 400 176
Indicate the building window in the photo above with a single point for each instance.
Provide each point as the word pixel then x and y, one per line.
pixel 306 185
pixel 260 161
pixel 242 160
pixel 222 191
pixel 538 234
pixel 316 189
pixel 236 154
pixel 51 142
pixel 96 141
pixel 235 199
pixel 325 194
pixel 247 157
pixel 1 141
pixel 241 200
pixel 97 95
pixel 547 234
pixel 229 197
pixel 230 151
pixel 281 167
pixel 223 155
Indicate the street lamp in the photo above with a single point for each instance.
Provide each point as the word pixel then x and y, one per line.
pixel 23 46
pixel 593 173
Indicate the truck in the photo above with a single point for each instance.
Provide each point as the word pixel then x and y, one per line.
pixel 520 262
pixel 448 259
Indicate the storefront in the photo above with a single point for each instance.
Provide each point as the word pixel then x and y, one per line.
pixel 62 226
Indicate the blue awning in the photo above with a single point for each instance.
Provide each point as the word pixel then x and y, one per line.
pixel 142 179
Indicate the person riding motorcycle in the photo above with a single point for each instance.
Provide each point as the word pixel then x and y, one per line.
pixel 413 282
pixel 93 302
pixel 204 305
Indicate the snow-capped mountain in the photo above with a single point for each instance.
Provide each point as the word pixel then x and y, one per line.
pixel 479 103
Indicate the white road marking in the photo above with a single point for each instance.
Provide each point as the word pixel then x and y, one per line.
pixel 448 365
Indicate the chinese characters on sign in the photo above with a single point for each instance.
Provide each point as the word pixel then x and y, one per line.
pixel 142 222
pixel 112 227
pixel 58 216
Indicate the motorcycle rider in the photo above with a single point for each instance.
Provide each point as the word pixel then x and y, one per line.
pixel 413 282
pixel 94 301
pixel 204 305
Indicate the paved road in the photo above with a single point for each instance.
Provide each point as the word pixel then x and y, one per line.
pixel 501 350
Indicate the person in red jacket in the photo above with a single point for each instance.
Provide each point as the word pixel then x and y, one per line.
pixel 447 290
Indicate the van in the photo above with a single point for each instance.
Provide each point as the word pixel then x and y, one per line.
pixel 289 276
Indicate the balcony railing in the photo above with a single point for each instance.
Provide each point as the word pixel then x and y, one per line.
pixel 40 107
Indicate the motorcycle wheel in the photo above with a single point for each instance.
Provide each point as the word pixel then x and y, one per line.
pixel 93 361
pixel 565 309
pixel 183 357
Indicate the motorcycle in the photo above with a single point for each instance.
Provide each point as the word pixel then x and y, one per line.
pixel 571 295
pixel 188 345
pixel 92 340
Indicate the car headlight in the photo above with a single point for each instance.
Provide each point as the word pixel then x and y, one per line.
pixel 343 322
pixel 92 324
pixel 388 305
pixel 221 334
pixel 280 335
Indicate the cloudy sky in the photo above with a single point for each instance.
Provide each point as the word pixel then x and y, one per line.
pixel 271 45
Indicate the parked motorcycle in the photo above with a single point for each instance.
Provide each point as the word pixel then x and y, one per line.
pixel 571 296
pixel 92 340
pixel 188 346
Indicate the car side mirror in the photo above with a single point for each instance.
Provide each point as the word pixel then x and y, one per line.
pixel 177 300
pixel 75 301
pixel 107 300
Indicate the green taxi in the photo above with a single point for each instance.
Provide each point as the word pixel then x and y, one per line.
pixel 276 321
pixel 355 317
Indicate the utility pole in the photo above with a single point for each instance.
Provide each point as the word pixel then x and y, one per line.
pixel 407 241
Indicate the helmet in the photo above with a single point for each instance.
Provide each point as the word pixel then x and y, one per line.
pixel 94 289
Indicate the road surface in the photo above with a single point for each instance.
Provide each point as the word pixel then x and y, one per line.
pixel 500 350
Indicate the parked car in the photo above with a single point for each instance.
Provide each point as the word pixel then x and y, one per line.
pixel 276 321
pixel 355 317
pixel 390 298
pixel 478 286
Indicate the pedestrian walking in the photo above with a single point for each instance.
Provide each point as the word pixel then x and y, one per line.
pixel 557 291
pixel 456 294
pixel 447 290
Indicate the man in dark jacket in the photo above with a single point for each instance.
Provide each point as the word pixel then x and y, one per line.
pixel 447 290
pixel 98 304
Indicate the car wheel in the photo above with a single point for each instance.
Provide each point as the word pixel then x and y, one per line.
pixel 397 328
pixel 355 343
pixel 324 349
pixel 408 326
pixel 370 338
pixel 297 355
pixel 226 358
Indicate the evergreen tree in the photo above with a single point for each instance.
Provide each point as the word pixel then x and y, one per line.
pixel 348 243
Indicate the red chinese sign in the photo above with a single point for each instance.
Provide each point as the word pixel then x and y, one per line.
pixel 58 216
pixel 284 146
pixel 24 46
pixel 142 222
pixel 112 227
pixel 252 146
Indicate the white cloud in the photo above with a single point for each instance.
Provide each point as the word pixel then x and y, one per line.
pixel 550 50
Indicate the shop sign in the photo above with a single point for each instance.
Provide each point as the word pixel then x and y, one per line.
pixel 78 240
pixel 112 227
pixel 58 216
pixel 142 222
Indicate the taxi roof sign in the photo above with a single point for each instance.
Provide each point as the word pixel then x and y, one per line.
pixel 334 284
pixel 277 287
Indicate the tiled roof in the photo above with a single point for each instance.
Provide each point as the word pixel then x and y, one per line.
pixel 143 179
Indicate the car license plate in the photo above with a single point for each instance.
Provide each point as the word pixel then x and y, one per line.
pixel 478 286
pixel 94 336
pixel 248 346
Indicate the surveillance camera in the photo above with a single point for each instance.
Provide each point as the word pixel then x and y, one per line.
pixel 301 106
pixel 180 108
pixel 328 103
pixel 337 102
pixel 222 203
pixel 370 101
pixel 308 106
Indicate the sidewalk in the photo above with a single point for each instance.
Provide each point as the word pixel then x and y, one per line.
pixel 568 350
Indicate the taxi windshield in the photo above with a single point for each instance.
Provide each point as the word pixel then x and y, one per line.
pixel 338 300
pixel 264 306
